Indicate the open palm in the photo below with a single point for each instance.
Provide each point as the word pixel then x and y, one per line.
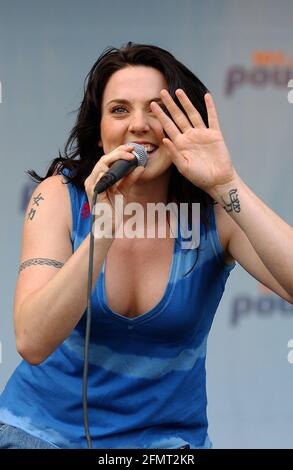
pixel 199 152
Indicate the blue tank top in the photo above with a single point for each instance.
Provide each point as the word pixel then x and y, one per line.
pixel 147 379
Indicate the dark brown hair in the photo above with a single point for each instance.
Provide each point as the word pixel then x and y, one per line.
pixel 81 151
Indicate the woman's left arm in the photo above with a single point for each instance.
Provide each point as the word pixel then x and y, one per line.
pixel 259 239
pixel 270 251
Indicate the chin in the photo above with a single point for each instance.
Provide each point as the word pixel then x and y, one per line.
pixel 153 173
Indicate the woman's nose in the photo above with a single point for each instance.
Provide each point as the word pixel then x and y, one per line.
pixel 139 122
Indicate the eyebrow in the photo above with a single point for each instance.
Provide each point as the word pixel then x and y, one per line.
pixel 123 101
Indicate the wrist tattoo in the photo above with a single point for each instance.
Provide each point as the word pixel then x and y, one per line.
pixel 34 261
pixel 233 205
pixel 36 202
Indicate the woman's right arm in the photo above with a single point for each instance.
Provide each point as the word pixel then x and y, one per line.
pixel 51 290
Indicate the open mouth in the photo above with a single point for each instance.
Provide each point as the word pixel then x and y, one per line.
pixel 150 149
pixel 151 152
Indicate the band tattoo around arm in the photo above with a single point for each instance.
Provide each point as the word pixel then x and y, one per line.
pixel 34 261
pixel 233 205
pixel 36 202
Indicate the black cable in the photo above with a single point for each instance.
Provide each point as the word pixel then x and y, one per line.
pixel 108 179
pixel 88 327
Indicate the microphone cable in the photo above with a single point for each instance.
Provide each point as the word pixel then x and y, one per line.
pixel 88 327
pixel 108 179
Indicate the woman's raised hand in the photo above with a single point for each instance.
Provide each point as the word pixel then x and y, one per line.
pixel 199 152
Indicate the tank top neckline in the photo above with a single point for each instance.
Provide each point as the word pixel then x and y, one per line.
pixel 162 303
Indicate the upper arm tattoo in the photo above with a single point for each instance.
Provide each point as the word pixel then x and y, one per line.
pixel 34 261
pixel 36 202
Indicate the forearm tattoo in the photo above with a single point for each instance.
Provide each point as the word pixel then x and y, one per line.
pixel 34 261
pixel 36 202
pixel 233 205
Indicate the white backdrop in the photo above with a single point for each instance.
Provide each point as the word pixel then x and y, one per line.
pixel 243 52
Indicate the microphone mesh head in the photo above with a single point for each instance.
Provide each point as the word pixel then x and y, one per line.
pixel 140 152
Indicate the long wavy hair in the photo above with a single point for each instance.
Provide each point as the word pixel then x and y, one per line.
pixel 81 151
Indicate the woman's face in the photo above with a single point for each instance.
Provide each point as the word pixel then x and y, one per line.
pixel 127 116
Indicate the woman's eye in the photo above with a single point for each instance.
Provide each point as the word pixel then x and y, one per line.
pixel 119 110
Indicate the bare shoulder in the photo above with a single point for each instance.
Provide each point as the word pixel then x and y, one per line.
pixel 50 200
pixel 47 222
pixel 46 241
pixel 225 226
